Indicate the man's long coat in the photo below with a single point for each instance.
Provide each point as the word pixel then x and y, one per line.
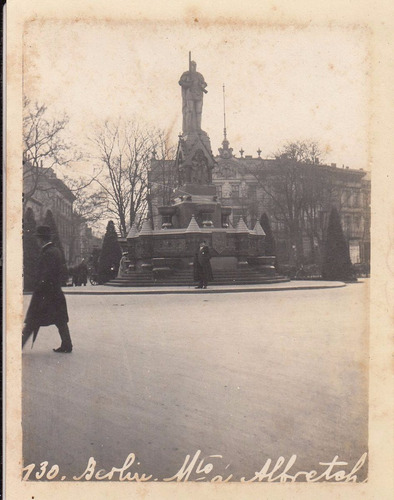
pixel 48 304
pixel 202 265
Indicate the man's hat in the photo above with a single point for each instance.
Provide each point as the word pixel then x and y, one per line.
pixel 44 231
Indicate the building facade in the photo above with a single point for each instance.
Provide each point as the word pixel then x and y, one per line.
pixel 47 192
pixel 85 241
pixel 297 199
pixel 44 191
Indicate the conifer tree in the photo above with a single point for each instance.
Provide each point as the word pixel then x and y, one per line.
pixel 270 244
pixel 337 264
pixel 30 251
pixel 110 255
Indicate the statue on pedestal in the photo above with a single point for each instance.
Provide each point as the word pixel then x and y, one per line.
pixel 193 89
pixel 201 173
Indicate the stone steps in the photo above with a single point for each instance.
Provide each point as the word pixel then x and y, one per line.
pixel 184 277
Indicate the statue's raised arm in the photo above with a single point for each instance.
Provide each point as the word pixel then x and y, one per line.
pixel 193 90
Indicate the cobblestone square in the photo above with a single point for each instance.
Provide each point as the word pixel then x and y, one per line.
pixel 246 377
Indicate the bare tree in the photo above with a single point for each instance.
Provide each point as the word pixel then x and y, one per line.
pixel 125 150
pixel 44 146
pixel 299 190
pixel 308 151
pixel 163 176
pixel 88 208
pixel 320 192
pixel 140 145
pixel 112 148
pixel 89 202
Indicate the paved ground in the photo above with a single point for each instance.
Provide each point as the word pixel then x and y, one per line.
pixel 248 376
pixel 212 288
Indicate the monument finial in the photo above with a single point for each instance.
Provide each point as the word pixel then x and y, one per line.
pixel 224 112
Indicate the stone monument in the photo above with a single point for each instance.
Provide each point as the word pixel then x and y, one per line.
pixel 195 213
pixel 193 89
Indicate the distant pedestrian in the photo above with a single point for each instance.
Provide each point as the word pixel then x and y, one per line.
pixel 83 273
pixel 123 265
pixel 202 266
pixel 74 276
pixel 48 304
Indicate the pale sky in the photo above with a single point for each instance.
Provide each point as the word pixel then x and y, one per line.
pixel 281 83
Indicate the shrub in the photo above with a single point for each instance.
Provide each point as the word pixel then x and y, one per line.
pixel 337 264
pixel 110 255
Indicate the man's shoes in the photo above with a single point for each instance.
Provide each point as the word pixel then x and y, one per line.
pixel 205 286
pixel 196 287
pixel 63 349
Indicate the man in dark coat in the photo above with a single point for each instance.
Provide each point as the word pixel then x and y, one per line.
pixel 48 304
pixel 83 273
pixel 202 266
pixel 74 276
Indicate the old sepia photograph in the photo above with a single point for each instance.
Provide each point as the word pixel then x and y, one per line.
pixel 195 232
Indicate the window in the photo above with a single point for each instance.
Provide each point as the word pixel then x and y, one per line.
pixel 219 191
pixel 235 190
pixel 237 214
pixel 354 251
pixel 252 192
pixel 346 198
pixel 346 223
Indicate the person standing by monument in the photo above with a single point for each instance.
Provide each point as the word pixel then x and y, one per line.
pixel 193 89
pixel 123 264
pixel 48 304
pixel 202 266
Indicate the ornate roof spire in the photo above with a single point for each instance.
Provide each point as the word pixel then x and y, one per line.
pixel 241 226
pixel 133 233
pixel 225 151
pixel 224 112
pixel 258 229
pixel 193 227
pixel 146 228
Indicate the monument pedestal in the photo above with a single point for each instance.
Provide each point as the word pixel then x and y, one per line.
pixel 165 250
pixel 195 214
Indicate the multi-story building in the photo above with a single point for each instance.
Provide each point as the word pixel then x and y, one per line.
pixel 44 191
pixel 162 179
pixel 47 192
pixel 297 199
pixel 85 241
